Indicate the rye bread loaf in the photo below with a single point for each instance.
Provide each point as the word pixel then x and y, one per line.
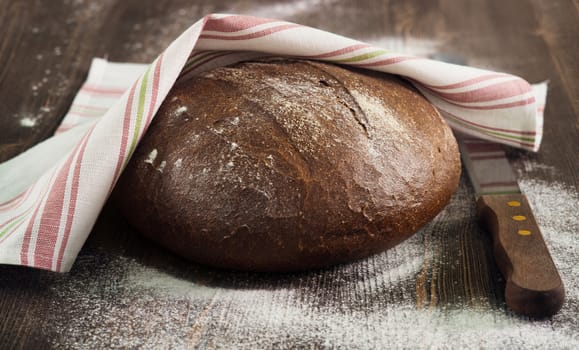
pixel 288 165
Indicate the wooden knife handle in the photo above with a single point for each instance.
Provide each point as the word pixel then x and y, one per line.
pixel 534 287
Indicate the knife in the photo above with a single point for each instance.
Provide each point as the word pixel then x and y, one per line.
pixel 533 285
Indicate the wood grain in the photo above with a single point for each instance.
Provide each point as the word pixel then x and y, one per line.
pixel 534 287
pixel 45 52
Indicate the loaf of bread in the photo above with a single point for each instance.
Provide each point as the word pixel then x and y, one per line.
pixel 283 164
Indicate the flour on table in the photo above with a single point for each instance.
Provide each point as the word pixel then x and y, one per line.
pixel 116 301
pixel 284 10
pixel 556 209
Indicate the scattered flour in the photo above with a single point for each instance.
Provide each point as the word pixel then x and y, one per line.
pixel 375 109
pixel 556 209
pixel 288 9
pixel 28 122
pixel 180 110
pixel 530 166
pixel 118 301
pixel 161 166
pixel 152 156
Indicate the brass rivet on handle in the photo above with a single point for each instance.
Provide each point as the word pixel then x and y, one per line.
pixel 519 218
pixel 524 232
pixel 514 204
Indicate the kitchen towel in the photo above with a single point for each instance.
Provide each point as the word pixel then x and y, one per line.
pixel 51 195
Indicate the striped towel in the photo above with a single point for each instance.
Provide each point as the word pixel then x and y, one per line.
pixel 51 195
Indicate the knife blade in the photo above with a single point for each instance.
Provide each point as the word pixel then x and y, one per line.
pixel 533 285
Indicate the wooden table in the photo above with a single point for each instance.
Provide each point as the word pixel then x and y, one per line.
pixel 439 289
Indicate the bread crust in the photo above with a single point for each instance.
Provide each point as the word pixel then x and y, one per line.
pixel 287 165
